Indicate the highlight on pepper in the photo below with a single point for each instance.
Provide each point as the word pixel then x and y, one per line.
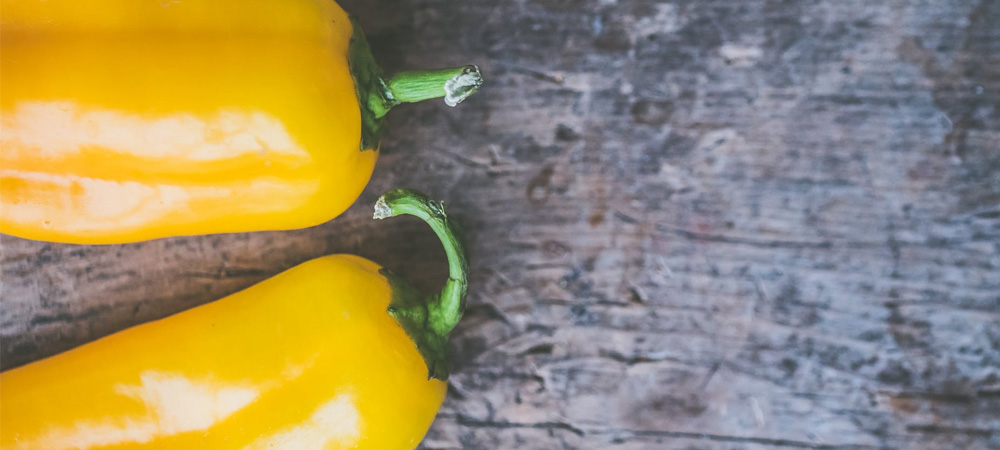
pixel 130 120
pixel 333 353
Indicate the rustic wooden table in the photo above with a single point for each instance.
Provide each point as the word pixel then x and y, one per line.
pixel 714 224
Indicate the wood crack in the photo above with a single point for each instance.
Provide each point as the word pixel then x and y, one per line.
pixel 470 422
pixel 732 438
pixel 941 429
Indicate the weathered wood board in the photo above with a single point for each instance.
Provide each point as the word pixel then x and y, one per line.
pixel 714 224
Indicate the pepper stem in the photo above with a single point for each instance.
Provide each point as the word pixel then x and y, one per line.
pixel 377 94
pixel 428 320
pixel 414 86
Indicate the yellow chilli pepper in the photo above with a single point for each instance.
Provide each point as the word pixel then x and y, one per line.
pixel 334 353
pixel 128 120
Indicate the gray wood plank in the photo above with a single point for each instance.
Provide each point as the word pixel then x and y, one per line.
pixel 694 225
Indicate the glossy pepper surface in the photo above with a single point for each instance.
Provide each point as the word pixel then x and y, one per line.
pixel 334 353
pixel 128 120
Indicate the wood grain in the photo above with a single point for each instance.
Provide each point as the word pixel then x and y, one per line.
pixel 751 224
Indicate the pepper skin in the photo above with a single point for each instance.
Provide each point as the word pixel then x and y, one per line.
pixel 129 120
pixel 309 359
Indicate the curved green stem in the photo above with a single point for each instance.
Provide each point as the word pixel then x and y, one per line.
pixel 429 319
pixel 377 95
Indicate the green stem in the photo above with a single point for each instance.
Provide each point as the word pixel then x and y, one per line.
pixel 377 95
pixel 429 319
pixel 414 86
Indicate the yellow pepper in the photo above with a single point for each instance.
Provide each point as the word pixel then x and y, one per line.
pixel 334 353
pixel 129 120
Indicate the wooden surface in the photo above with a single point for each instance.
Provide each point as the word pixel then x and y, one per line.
pixel 694 225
